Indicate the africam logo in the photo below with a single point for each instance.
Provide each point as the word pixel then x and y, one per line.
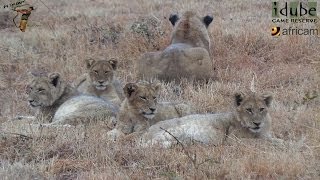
pixel 277 31
pixel 294 13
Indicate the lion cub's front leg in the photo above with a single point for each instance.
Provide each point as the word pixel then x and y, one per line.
pixel 114 135
pixel 141 127
pixel 275 141
pixel 125 128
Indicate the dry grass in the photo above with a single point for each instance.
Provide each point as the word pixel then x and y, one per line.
pixel 60 39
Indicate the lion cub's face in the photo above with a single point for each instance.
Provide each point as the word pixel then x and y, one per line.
pixel 101 72
pixel 44 90
pixel 142 98
pixel 252 110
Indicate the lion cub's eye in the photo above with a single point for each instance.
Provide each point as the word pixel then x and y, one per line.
pixel 143 97
pixel 95 72
pixel 107 72
pixel 41 90
pixel 249 110
pixel 261 109
pixel 154 98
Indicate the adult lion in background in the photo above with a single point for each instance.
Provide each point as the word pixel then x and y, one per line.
pixel 250 119
pixel 141 109
pixel 188 55
pixel 59 103
pixel 100 80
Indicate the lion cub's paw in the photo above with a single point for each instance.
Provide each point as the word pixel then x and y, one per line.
pixel 114 135
pixel 277 142
pixel 183 109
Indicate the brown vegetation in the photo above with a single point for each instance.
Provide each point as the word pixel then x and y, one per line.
pixel 59 39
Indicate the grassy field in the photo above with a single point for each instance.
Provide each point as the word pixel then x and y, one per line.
pixel 61 34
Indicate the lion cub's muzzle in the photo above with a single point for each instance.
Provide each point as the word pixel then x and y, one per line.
pixel 101 85
pixel 33 103
pixel 256 127
pixel 150 114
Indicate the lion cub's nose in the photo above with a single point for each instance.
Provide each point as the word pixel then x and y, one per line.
pixel 152 109
pixel 257 124
pixel 100 81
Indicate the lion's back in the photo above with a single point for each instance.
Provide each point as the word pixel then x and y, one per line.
pixel 84 107
pixel 204 128
pixel 169 110
pixel 188 55
pixel 176 63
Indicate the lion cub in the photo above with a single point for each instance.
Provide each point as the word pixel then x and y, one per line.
pixel 100 81
pixel 250 119
pixel 59 103
pixel 141 109
pixel 188 55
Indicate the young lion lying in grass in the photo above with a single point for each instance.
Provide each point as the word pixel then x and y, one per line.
pixel 141 109
pixel 250 119
pixel 59 103
pixel 101 81
pixel 58 106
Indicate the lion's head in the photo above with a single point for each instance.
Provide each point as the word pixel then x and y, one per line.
pixel 252 110
pixel 44 90
pixel 191 29
pixel 101 72
pixel 142 98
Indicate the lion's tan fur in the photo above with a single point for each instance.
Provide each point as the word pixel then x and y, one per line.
pixel 58 103
pixel 104 71
pixel 135 114
pixel 217 128
pixel 188 55
pixel 52 98
pixel 190 30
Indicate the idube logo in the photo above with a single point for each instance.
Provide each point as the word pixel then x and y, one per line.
pixel 294 13
pixel 295 9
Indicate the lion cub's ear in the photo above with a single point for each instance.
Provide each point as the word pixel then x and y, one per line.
pixel 173 19
pixel 114 63
pixel 267 97
pixel 238 98
pixel 129 89
pixel 90 62
pixel 157 87
pixel 207 20
pixel 54 79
